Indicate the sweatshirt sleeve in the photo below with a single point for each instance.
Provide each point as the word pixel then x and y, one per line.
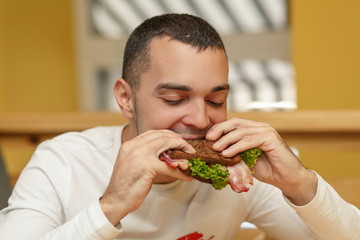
pixel 90 224
pixel 328 216
pixel 36 207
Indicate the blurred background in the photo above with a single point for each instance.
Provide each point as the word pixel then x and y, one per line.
pixel 44 46
pixel 63 56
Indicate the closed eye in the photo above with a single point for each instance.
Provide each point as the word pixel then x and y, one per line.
pixel 216 104
pixel 172 102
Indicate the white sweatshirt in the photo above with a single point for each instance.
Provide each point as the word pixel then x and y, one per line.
pixel 57 197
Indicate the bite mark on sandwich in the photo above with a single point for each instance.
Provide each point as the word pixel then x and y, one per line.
pixel 209 166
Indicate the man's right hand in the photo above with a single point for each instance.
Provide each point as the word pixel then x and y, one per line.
pixel 136 166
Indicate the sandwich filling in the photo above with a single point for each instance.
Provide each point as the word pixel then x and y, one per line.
pixel 209 166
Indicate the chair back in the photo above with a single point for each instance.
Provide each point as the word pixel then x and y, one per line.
pixel 5 188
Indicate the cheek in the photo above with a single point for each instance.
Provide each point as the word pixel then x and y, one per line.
pixel 164 118
pixel 217 115
pixel 160 118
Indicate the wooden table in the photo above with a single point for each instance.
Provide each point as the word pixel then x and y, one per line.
pixel 328 131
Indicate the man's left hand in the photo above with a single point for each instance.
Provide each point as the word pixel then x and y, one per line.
pixel 278 165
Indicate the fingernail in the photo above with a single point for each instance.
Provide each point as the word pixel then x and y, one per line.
pixel 226 153
pixel 190 150
pixel 216 145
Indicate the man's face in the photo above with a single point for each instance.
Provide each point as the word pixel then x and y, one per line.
pixel 184 90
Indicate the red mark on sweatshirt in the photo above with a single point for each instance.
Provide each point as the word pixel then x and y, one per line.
pixel 194 236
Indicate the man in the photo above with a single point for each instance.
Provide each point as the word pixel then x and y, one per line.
pixel 108 182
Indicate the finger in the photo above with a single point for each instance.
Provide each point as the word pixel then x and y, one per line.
pixel 160 140
pixel 235 136
pixel 266 138
pixel 173 143
pixel 163 169
pixel 244 144
pixel 219 129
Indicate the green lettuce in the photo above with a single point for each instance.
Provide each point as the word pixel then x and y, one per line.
pixel 250 156
pixel 217 173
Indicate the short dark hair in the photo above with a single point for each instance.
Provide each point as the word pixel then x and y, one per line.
pixel 186 28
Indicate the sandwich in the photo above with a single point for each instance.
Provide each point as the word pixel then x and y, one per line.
pixel 209 166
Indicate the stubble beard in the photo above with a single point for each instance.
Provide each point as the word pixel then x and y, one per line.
pixel 136 117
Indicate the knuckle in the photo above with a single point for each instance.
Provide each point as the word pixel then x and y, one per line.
pixel 247 139
pixel 125 147
pixel 236 121
pixel 265 124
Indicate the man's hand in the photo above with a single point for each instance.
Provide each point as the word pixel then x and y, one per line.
pixel 277 165
pixel 137 165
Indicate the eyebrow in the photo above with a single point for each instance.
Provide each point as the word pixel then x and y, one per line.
pixel 221 88
pixel 173 86
pixel 185 88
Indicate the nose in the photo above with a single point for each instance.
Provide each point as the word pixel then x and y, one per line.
pixel 197 116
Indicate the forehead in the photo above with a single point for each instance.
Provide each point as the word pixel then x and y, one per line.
pixel 172 61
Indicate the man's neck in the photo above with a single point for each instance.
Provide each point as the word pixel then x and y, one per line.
pixel 128 133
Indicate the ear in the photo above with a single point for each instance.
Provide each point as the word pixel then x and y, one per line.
pixel 124 98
